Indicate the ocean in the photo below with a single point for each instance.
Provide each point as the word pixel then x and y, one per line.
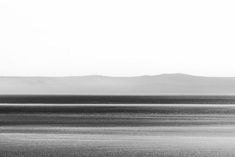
pixel 117 130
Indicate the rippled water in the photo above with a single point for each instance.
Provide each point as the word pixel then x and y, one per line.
pixel 117 130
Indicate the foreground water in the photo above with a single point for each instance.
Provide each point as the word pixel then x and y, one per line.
pixel 117 130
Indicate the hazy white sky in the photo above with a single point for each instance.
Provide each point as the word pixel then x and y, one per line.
pixel 117 37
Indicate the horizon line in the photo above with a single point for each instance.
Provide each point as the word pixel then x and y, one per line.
pixel 112 76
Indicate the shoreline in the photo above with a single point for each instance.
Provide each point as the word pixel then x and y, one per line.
pixel 118 99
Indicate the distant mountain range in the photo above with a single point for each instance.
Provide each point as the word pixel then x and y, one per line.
pixel 165 84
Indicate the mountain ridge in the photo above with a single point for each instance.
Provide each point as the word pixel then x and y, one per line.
pixel 164 84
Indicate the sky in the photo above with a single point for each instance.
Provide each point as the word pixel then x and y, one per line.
pixel 117 37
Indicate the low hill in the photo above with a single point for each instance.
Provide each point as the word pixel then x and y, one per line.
pixel 165 84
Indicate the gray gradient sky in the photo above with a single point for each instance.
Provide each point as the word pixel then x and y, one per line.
pixel 117 38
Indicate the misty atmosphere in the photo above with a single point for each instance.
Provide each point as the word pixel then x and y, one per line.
pixel 117 78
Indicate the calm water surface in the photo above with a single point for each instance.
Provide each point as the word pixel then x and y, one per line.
pixel 117 130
